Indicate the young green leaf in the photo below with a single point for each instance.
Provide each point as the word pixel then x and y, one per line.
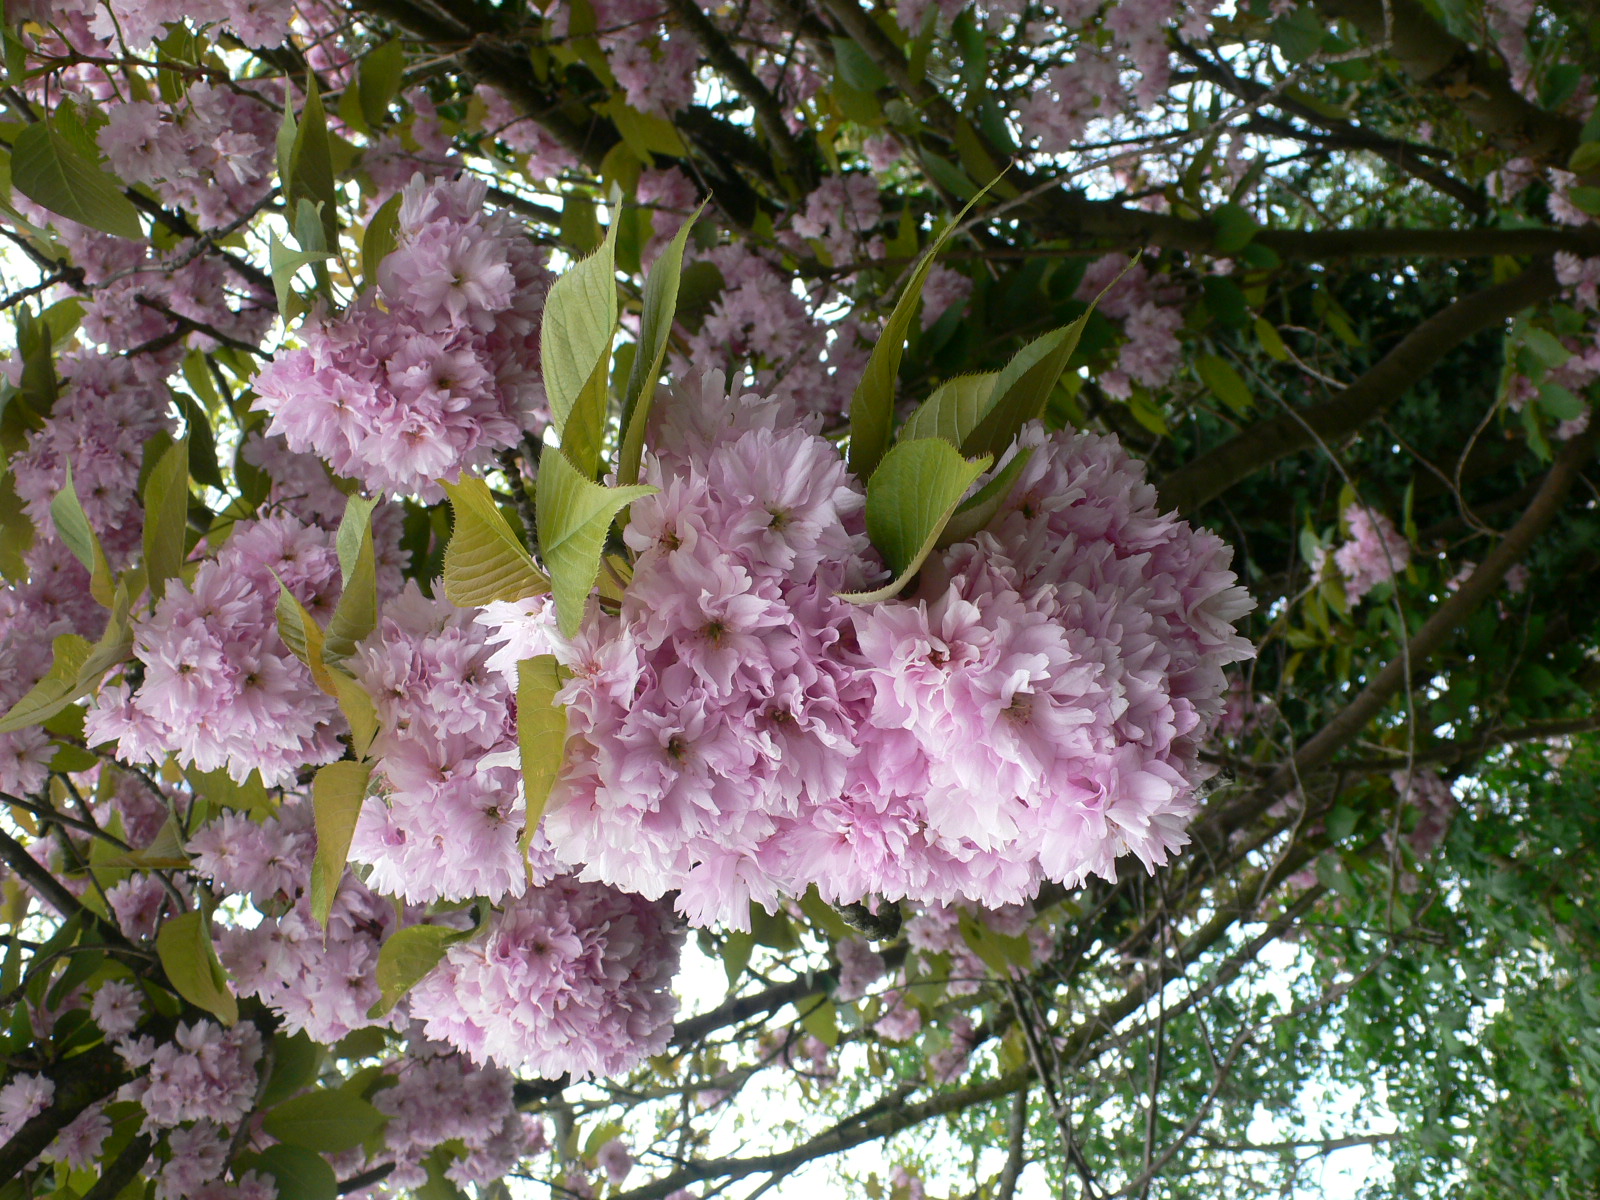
pixel 356 614
pixel 379 76
pixel 190 961
pixel 484 560
pixel 72 525
pixel 580 317
pixel 407 956
pixel 166 516
pixel 299 1172
pixel 311 164
pixel 975 514
pixel 284 262
pixel 655 326
pixel 541 735
pixel 358 709
pixel 910 498
pixel 1022 389
pixel 574 514
pixel 953 410
pixel 380 238
pixel 50 170
pixel 301 633
pixel 872 405
pixel 1224 382
pixel 337 793
pixel 327 1120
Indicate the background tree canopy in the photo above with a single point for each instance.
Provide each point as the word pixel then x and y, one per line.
pixel 282 413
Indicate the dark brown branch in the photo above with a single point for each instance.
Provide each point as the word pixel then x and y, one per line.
pixel 122 1170
pixel 768 112
pixel 1469 80
pixel 1340 134
pixel 1214 472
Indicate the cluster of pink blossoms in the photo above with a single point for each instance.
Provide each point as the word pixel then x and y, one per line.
pixel 740 732
pixel 220 688
pixel 440 1097
pixel 440 374
pixel 446 819
pixel 107 411
pixel 205 1073
pixel 211 154
pixel 321 979
pixel 573 978
pixel 1375 552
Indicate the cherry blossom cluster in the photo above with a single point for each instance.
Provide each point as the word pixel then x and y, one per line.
pixel 436 368
pixel 740 731
pixel 1374 553
pixel 220 688
pixel 318 978
pixel 440 1097
pixel 446 817
pixel 574 978
pixel 210 154
pixel 108 409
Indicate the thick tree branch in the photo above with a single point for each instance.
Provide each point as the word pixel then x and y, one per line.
pixel 1470 80
pixel 1262 444
pixel 769 113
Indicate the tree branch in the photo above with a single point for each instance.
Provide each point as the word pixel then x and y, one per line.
pixel 1470 80
pixel 1262 444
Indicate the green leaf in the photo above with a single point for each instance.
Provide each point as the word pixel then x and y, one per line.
pixel 1271 340
pixel 1023 388
pixel 17 533
pixel 337 794
pixel 655 326
pixel 301 1173
pixel 296 1061
pixel 1559 403
pixel 48 169
pixel 72 526
pixel 1224 382
pixel 580 317
pixel 574 514
pixel 407 956
pixel 56 690
pixel 285 262
pixel 953 410
pixel 1585 197
pixel 485 561
pixel 872 404
pixel 301 633
pixel 1545 346
pixel 203 465
pixel 380 238
pixel 166 516
pixel 975 514
pixel 310 175
pixel 77 667
pixel 910 498
pixel 219 788
pixel 1585 159
pixel 358 710
pixel 855 66
pixel 356 614
pixel 541 735
pixel 380 75
pixel 821 1020
pixel 190 961
pixel 1226 301
pixel 329 1121
pixel 1235 228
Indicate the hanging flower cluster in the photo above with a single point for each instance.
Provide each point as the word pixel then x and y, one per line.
pixel 434 370
pixel 740 730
